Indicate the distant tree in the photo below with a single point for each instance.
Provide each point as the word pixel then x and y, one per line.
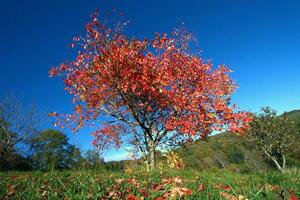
pixel 74 158
pixel 51 150
pixel 154 91
pixel 17 123
pixel 273 135
pixel 93 159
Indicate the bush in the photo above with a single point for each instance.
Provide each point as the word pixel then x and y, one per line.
pixel 236 156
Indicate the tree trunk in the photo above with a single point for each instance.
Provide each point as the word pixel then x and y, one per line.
pixel 275 161
pixel 283 162
pixel 277 164
pixel 152 155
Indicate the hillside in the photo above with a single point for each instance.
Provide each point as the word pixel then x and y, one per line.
pixel 294 116
pixel 224 150
pixel 231 151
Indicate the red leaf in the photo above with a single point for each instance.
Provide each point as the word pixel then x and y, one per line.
pixel 131 197
pixel 292 195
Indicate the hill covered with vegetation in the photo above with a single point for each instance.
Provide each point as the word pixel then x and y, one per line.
pixel 232 152
pixel 294 115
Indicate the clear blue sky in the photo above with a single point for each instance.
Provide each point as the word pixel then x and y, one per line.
pixel 258 39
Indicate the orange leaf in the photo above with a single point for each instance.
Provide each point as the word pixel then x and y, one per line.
pixel 223 187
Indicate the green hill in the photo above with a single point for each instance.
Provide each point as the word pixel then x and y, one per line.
pixel 231 151
pixel 223 150
pixel 294 116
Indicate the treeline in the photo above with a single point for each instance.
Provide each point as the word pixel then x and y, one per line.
pixel 24 147
pixel 49 150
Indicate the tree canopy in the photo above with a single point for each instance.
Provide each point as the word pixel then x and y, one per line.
pixel 51 150
pixel 154 91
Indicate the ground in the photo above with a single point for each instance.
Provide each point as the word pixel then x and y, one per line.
pixel 170 184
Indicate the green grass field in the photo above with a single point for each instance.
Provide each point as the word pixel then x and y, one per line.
pixel 184 184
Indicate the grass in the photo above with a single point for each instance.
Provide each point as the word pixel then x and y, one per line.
pixel 183 184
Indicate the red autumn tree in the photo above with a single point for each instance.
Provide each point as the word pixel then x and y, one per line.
pixel 153 93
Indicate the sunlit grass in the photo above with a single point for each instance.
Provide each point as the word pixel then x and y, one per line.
pixel 140 184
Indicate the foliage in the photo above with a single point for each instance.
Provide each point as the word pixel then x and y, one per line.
pixel 154 91
pixel 183 184
pixel 294 116
pixel 51 150
pixel 174 161
pixel 275 136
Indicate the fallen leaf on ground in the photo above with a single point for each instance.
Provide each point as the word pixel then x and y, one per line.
pixel 222 186
pixel 132 181
pixel 177 180
pixel 201 187
pixel 11 190
pixel 143 192
pixel 131 197
pixel 114 195
pixel 176 192
pixel 232 197
pixel 292 195
pixel 157 187
pixel 119 180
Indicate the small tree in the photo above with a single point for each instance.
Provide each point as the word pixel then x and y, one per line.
pixel 273 135
pixel 74 159
pixel 153 91
pixel 93 160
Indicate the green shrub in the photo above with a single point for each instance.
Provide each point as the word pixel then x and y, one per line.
pixel 236 156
